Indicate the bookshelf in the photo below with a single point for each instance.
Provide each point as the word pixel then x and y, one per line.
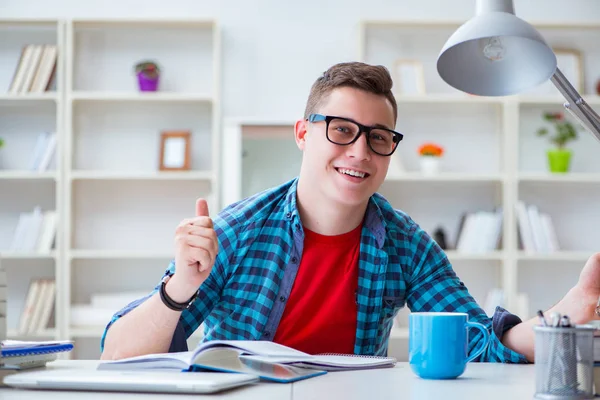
pixel 24 117
pixel 106 118
pixel 118 210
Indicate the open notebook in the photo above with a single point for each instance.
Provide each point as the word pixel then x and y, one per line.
pixel 211 353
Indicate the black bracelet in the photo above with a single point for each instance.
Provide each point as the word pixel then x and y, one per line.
pixel 172 304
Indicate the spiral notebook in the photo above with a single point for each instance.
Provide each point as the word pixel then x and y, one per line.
pixel 17 348
pixel 209 354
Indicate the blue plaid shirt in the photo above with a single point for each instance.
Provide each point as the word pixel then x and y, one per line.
pixel 260 248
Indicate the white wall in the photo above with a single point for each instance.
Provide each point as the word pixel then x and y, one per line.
pixel 273 50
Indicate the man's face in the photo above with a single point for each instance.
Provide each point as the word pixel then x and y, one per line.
pixel 330 168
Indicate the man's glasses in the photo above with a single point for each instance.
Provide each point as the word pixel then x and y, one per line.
pixel 344 131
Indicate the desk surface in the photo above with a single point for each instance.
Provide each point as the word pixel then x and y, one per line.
pixel 481 380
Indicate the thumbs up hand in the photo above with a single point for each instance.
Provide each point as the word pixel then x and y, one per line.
pixel 196 247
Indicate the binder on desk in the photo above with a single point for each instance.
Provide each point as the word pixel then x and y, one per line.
pixel 23 355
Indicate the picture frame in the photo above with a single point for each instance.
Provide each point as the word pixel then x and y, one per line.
pixel 409 77
pixel 570 63
pixel 175 149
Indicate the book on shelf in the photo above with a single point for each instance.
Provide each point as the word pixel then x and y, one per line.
pixel 35 231
pixel 35 69
pixel 537 233
pixel 38 307
pixel 211 355
pixel 43 152
pixel 479 232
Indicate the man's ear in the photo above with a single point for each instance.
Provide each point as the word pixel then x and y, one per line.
pixel 300 133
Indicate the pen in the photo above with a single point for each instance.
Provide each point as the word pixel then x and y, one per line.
pixel 540 314
pixel 555 319
pixel 565 322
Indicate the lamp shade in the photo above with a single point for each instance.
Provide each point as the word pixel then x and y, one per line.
pixel 496 54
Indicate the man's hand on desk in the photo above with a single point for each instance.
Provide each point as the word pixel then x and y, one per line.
pixel 579 304
pixel 196 247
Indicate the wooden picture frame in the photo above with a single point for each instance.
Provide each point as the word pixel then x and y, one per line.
pixel 175 149
pixel 409 77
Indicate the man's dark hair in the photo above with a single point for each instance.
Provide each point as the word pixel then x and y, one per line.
pixel 374 79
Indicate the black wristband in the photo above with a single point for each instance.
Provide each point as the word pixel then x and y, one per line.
pixel 172 304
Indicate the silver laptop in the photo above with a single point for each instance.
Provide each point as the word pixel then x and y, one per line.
pixel 156 381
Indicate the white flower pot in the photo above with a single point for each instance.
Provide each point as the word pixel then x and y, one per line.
pixel 430 165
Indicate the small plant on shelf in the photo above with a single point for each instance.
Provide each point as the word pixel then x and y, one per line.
pixel 430 155
pixel 1 143
pixel 564 132
pixel 148 74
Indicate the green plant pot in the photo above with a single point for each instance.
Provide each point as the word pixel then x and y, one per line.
pixel 559 160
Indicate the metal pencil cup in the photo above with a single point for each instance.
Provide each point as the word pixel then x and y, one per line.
pixel 564 362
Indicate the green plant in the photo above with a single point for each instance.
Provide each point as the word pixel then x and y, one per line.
pixel 1 143
pixel 149 68
pixel 564 130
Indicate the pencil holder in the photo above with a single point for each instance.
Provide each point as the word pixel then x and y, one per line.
pixel 564 362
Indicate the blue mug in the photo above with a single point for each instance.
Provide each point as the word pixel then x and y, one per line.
pixel 438 343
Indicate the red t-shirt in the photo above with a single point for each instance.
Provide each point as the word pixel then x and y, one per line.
pixel 320 314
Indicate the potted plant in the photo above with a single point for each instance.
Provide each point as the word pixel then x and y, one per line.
pixel 559 158
pixel 148 74
pixel 430 155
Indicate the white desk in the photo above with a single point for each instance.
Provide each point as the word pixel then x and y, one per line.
pixel 481 380
pixel 489 381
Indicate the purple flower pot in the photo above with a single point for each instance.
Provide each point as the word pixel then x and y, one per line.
pixel 147 84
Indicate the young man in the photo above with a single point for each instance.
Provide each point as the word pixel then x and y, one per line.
pixel 321 263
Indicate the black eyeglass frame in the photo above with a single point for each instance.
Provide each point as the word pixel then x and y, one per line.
pixel 397 136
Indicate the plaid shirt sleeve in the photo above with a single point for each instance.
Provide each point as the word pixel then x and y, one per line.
pixel 210 290
pixel 434 286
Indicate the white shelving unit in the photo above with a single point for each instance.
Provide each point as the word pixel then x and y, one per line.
pixel 509 167
pixel 23 117
pixel 118 210
pixel 122 210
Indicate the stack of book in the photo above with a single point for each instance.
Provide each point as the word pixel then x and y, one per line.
pixel 35 69
pixel 536 229
pixel 479 232
pixel 39 306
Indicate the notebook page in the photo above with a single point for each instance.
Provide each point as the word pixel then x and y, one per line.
pixel 259 347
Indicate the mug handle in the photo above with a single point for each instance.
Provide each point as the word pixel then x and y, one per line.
pixel 486 339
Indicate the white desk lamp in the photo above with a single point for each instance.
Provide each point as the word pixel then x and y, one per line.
pixel 498 54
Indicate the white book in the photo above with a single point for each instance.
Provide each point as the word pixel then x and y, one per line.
pixel 32 66
pixel 47 232
pixel 48 153
pixel 214 351
pixel 38 307
pixel 549 232
pixel 38 151
pixel 45 70
pixel 29 306
pixel 47 306
pixel 469 226
pixel 536 229
pixel 525 229
pixel 32 233
pixel 22 226
pixel 17 82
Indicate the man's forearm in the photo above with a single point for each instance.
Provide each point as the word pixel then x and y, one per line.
pixel 147 329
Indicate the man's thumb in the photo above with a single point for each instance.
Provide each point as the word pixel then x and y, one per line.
pixel 201 208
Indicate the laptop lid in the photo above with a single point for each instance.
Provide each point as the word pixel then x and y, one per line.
pixel 155 381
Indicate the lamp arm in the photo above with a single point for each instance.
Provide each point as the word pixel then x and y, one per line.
pixel 576 105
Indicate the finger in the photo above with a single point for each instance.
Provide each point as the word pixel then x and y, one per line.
pixel 206 222
pixel 200 242
pixel 201 208
pixel 202 256
pixel 197 230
